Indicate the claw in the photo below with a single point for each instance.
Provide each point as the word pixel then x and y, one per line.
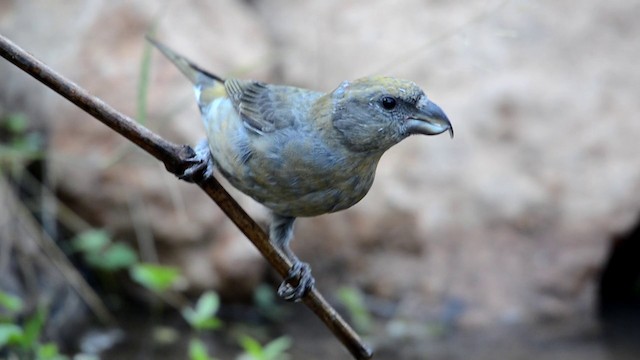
pixel 200 164
pixel 302 272
pixel 197 168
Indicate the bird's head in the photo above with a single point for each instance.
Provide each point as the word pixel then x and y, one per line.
pixel 372 114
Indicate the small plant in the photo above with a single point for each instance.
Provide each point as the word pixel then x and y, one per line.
pixel 23 340
pixel 10 303
pixel 100 252
pixel 156 278
pixel 18 145
pixel 274 350
pixel 197 350
pixel 202 316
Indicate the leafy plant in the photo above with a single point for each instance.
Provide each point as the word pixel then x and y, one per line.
pixel 274 350
pixel 154 277
pixel 197 350
pixel 10 334
pixel 32 329
pixel 49 351
pixel 12 304
pixel 23 341
pixel 202 316
pixel 18 145
pixel 91 241
pixel 100 252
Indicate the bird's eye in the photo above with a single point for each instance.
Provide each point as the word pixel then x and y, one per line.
pixel 388 103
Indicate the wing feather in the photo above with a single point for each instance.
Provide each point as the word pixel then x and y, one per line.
pixel 265 108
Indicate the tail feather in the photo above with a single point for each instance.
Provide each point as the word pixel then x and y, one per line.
pixel 193 72
pixel 206 85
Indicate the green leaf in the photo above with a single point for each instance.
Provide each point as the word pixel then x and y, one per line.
pixel 154 277
pixel 27 146
pixel 209 324
pixel 10 302
pixel 251 346
pixel 49 351
pixel 203 316
pixel 197 350
pixel 276 349
pixel 115 257
pixel 208 305
pixel 33 328
pixel 200 323
pixel 91 241
pixel 100 252
pixel 16 123
pixel 10 334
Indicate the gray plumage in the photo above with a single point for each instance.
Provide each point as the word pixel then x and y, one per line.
pixel 301 152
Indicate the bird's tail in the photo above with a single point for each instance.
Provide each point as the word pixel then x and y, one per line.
pixel 207 85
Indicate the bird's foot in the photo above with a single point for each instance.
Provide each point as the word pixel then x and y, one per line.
pixel 301 271
pixel 199 164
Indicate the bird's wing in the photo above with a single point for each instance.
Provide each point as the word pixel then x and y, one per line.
pixel 264 108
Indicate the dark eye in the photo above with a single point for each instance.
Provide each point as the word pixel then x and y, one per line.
pixel 388 103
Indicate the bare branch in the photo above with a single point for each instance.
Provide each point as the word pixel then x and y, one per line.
pixel 175 158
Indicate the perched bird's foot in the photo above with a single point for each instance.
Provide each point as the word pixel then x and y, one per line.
pixel 302 272
pixel 199 164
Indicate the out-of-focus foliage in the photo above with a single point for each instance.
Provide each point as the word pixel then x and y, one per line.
pixel 18 145
pixel 274 350
pixel 353 300
pixel 22 339
pixel 154 277
pixel 101 252
pixel 202 316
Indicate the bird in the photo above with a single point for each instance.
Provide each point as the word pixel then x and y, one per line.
pixel 300 152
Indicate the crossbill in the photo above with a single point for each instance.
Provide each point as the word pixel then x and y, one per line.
pixel 301 152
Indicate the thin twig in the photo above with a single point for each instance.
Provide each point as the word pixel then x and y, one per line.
pixel 175 158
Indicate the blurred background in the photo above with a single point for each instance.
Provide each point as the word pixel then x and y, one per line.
pixel 518 239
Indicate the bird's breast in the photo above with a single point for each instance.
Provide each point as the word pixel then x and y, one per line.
pixel 293 171
pixel 311 185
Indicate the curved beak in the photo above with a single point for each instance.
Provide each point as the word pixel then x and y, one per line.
pixel 429 120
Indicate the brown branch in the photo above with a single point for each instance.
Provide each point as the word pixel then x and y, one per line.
pixel 175 159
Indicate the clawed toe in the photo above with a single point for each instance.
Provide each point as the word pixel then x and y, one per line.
pixel 196 170
pixel 302 272
pixel 198 164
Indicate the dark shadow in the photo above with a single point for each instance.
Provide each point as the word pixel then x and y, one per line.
pixel 619 296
